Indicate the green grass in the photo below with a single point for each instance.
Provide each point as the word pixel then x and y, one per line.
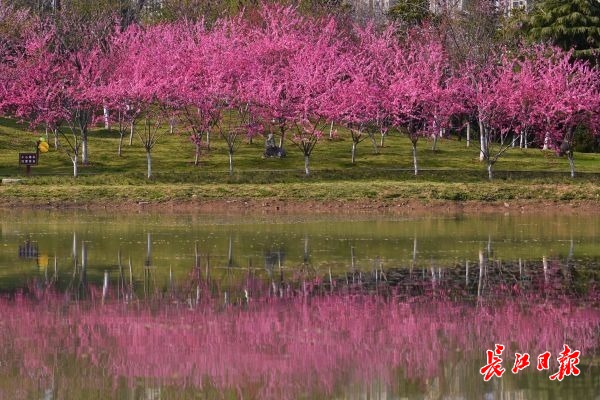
pixel 452 172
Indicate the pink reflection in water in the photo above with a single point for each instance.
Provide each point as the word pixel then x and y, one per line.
pixel 290 347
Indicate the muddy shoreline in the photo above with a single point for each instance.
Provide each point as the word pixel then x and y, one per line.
pixel 348 207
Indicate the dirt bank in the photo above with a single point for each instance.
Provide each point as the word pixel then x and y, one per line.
pixel 398 207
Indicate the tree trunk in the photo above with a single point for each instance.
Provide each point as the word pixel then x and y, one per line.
pixel 468 134
pixel 197 155
pixel 75 167
pixel 490 171
pixel 84 147
pixel 55 139
pixel 306 165
pixel 546 141
pixel 353 152
pixel 521 140
pixel 415 164
pixel 281 139
pixel 149 158
pixel 374 143
pixel 131 129
pixel 230 162
pixel 482 142
pixel 571 163
pixel 435 139
pixel 382 140
pixel 331 131
pixel 121 134
pixel 207 140
pixel 106 117
pixel 171 125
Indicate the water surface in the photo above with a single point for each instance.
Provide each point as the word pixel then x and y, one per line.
pixel 156 306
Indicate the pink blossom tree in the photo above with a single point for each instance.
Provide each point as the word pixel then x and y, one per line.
pixel 296 67
pixel 145 74
pixel 568 97
pixel 45 87
pixel 493 94
pixel 361 98
pixel 423 96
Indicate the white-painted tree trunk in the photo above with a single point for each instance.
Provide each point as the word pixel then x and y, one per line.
pixel 468 134
pixel 131 129
pixel 149 159
pixel 197 155
pixel 331 131
pixel 230 163
pixel 482 142
pixel 353 152
pixel 106 117
pixel 571 163
pixel 84 148
pixel 307 165
pixel 546 141
pixel 490 171
pixel 55 139
pixel 521 140
pixel 75 167
pixel 415 163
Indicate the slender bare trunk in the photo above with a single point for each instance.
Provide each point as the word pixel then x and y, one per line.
pixel 382 140
pixel 374 143
pixel 207 140
pixel 482 142
pixel 331 131
pixel 306 165
pixel 571 163
pixel 131 129
pixel 119 151
pixel 197 155
pixel 521 140
pixel 149 159
pixel 75 167
pixel 490 171
pixel 55 139
pixel 353 152
pixel 84 147
pixel 415 164
pixel 106 117
pixel 546 141
pixel 468 134
pixel 230 163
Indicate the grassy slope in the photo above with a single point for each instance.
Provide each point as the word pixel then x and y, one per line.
pixel 453 172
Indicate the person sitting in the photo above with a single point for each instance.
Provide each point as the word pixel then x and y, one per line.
pixel 271 149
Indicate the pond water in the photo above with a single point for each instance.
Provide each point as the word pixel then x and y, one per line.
pixel 159 306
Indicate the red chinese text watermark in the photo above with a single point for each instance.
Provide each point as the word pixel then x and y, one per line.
pixel 567 362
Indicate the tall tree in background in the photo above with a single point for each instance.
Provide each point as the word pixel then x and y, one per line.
pixel 569 24
pixel 410 12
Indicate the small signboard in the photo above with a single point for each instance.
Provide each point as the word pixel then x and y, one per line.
pixel 28 250
pixel 28 159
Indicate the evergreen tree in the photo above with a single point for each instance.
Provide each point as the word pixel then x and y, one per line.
pixel 568 24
